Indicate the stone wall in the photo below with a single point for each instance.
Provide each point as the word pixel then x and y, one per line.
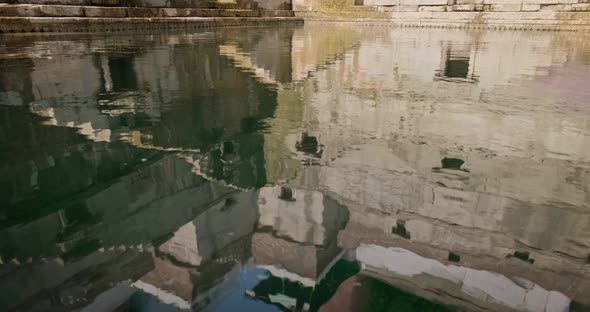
pixel 473 14
pixel 201 4
pixel 480 5
pixel 384 6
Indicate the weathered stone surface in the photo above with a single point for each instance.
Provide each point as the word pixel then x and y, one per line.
pixel 430 2
pixel 521 16
pixel 469 1
pixel 464 7
pixel 540 1
pixel 61 11
pixel 506 7
pixel 531 7
pixel 268 5
pixel 455 15
pixel 407 8
pixel 276 13
pixel 581 7
pixel 144 12
pixel 20 10
pixel 48 24
pixel 239 13
pixel 502 2
pixel 382 2
pixel 430 8
pixel 174 12
pixel 411 15
pixel 153 3
pixel 104 12
pixel 557 7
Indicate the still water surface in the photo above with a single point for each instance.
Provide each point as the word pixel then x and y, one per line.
pixel 318 168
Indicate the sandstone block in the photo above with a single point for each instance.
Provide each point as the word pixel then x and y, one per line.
pixel 411 15
pixel 557 7
pixel 540 1
pixel 406 2
pixel 407 8
pixel 502 2
pixel 276 13
pixel 431 8
pixel 144 12
pixel 518 16
pixel 20 10
pixel 61 11
pixel 469 2
pixel 155 3
pixel 506 7
pixel 431 2
pixel 104 12
pixel 463 7
pixel 105 2
pixel 531 7
pixel 239 13
pixel 167 12
pixel 455 15
pixel 581 7
pixel 387 2
pixel 380 2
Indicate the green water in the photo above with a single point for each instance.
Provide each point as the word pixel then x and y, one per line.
pixel 313 168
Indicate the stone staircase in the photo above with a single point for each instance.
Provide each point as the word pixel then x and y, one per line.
pixel 135 15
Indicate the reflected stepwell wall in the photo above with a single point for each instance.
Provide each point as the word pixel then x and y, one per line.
pixel 446 5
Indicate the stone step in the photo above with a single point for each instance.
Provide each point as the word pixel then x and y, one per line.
pixel 30 10
pixel 194 4
pixel 121 3
pixel 147 24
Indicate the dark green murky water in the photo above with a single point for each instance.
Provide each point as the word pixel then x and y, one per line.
pixel 319 168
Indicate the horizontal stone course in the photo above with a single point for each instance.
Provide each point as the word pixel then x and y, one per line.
pixel 581 23
pixel 463 7
pixel 581 7
pixel 506 7
pixel 74 24
pixel 61 10
pixel 429 2
pixel 557 7
pixel 480 5
pixel 120 12
pixel 468 1
pixel 406 8
pixel 431 8
pixel 540 1
pixel 502 2
pixel 531 7
pixel 144 12
pixel 104 12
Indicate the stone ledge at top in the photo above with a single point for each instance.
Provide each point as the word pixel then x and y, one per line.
pixel 86 24
pixel 195 4
pixel 121 12
pixel 539 21
pixel 474 5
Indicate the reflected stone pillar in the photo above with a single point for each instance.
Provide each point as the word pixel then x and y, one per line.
pixel 106 73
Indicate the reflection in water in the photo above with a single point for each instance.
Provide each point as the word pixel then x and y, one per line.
pixel 308 169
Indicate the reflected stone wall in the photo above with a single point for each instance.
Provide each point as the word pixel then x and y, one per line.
pixel 387 119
